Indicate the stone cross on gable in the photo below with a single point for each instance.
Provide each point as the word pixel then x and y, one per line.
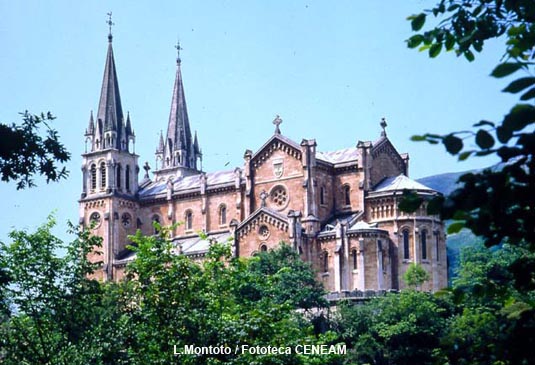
pixel 277 121
pixel 146 167
pixel 383 125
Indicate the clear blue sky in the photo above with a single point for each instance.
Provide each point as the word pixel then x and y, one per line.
pixel 331 69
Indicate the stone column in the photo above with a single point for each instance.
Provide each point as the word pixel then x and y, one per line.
pixel 336 269
pixel 380 269
pixel 361 282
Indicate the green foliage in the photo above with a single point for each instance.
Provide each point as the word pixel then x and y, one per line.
pixel 55 312
pixel 495 204
pixel 415 276
pixel 172 301
pixel 399 329
pixel 495 318
pixel 24 152
pixel 289 279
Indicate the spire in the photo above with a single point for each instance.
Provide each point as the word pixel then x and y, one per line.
pixel 178 139
pixel 91 127
pixel 160 144
pixel 128 127
pixel 196 149
pixel 110 112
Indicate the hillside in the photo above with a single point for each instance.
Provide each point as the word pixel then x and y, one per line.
pixel 446 183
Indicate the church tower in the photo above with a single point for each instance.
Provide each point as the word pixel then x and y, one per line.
pixel 178 153
pixel 109 170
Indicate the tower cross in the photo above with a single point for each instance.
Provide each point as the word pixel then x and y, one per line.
pixel 110 24
pixel 178 49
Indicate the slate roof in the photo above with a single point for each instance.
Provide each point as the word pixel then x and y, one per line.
pixel 339 156
pixel 213 179
pixel 197 245
pixel 400 182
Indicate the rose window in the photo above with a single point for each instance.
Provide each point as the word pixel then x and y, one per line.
pixel 279 197
pixel 263 232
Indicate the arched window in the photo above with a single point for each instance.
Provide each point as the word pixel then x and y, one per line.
pixel 93 177
pixel 223 214
pixel 155 220
pixel 119 172
pixel 347 195
pixel 423 241
pixel 263 248
pixel 322 195
pixel 102 175
pixel 127 178
pixel 354 257
pixel 406 253
pixel 189 220
pixel 325 263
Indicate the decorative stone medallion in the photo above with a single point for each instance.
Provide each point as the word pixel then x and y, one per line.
pixel 278 168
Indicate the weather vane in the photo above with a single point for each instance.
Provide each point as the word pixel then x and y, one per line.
pixel 110 24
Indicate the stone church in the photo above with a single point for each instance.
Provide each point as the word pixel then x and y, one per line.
pixel 338 209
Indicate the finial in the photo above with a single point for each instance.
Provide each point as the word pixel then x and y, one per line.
pixel 178 49
pixel 263 197
pixel 146 167
pixel 277 121
pixel 110 24
pixel 383 125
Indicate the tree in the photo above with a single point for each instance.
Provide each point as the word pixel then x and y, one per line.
pixel 24 152
pixel 403 328
pixel 172 302
pixel 494 321
pixel 290 279
pixel 415 276
pixel 496 204
pixel 55 313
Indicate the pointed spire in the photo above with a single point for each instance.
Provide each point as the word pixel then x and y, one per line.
pixel 128 127
pixel 160 144
pixel 178 129
pixel 110 111
pixel 196 148
pixel 91 127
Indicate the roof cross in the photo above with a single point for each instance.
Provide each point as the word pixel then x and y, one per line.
pixel 277 121
pixel 383 125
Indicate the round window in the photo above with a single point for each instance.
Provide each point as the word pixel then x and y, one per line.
pixel 279 197
pixel 95 219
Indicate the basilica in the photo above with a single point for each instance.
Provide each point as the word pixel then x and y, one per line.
pixel 338 209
